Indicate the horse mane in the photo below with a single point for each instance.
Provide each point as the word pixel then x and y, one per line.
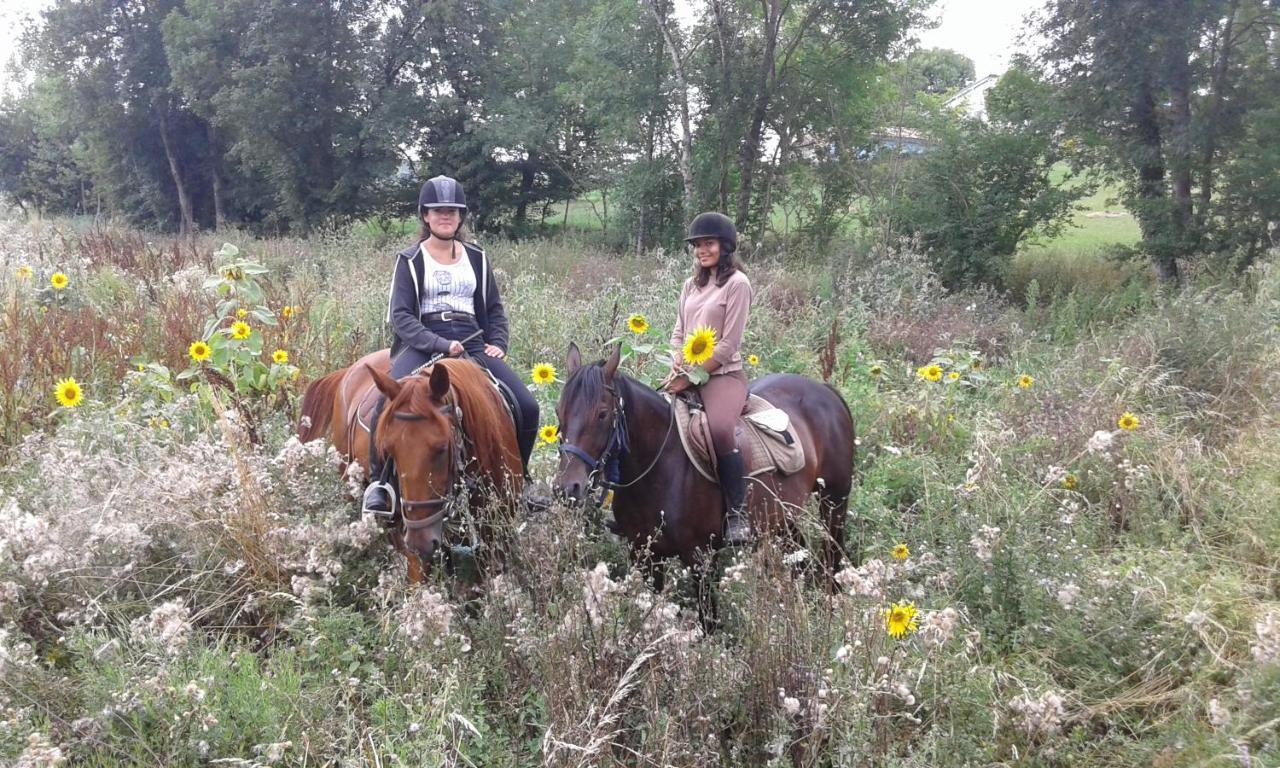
pixel 484 419
pixel 588 382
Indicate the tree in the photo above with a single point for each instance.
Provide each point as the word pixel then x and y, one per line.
pixel 985 189
pixel 1162 90
pixel 938 70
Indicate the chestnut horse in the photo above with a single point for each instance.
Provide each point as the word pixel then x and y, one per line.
pixel 611 424
pixel 446 429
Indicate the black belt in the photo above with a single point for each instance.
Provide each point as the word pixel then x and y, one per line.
pixel 448 316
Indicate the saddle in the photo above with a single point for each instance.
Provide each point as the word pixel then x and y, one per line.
pixel 763 432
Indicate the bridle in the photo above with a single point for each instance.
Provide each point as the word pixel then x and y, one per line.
pixel 606 471
pixel 441 507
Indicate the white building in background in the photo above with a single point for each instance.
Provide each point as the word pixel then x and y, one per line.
pixel 972 99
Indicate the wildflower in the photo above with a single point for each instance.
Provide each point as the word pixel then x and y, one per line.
pixel 286 311
pixel 543 373
pixel 199 351
pixel 875 370
pixel 901 552
pixel 240 330
pixel 900 619
pixel 58 280
pixel 638 323
pixel 930 372
pixel 984 542
pixel 699 346
pixel 1070 481
pixel 550 434
pixel 953 376
pixel 1101 441
pixel 975 364
pixel 1128 421
pixel 938 626
pixel 1040 716
pixel 68 392
pixel 280 357
pixel 24 272
pixel 242 313
pixel 1025 381
pixel 753 360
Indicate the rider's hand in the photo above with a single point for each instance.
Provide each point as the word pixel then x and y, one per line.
pixel 455 348
pixel 493 351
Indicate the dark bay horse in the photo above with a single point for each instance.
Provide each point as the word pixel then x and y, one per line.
pixel 661 504
pixel 445 428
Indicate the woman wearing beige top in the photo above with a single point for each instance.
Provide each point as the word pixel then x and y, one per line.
pixel 718 296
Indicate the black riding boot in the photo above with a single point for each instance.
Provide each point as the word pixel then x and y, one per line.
pixel 377 495
pixel 733 485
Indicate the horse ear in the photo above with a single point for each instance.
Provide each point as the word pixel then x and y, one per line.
pixel 385 384
pixel 439 382
pixel 611 365
pixel 575 357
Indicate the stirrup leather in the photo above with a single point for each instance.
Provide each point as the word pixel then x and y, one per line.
pixel 385 514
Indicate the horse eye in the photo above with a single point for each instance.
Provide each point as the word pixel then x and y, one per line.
pixel 601 415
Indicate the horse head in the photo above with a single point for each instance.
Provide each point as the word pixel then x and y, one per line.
pixel 592 423
pixel 416 430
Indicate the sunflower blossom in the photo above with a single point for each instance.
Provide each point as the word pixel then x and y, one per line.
pixel 543 373
pixel 286 311
pixel 753 360
pixel 199 351
pixel 875 370
pixel 900 619
pixel 550 434
pixel 930 372
pixel 953 376
pixel 1128 421
pixel 900 552
pixel 1070 481
pixel 280 357
pixel 700 345
pixel 58 280
pixel 240 330
pixel 242 313
pixel 1025 381
pixel 68 392
pixel 638 323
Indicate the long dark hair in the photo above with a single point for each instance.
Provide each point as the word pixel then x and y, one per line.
pixel 725 268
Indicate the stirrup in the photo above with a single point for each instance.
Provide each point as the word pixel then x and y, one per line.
pixel 393 502
pixel 739 524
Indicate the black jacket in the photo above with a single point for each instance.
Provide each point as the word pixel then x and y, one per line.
pixel 404 307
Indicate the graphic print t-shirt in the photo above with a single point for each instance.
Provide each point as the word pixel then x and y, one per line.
pixel 448 288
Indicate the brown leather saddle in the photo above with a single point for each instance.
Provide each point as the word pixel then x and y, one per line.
pixel 764 433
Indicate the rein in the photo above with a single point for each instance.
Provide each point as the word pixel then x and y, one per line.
pixel 617 448
pixel 442 504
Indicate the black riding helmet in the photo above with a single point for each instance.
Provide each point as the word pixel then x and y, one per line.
pixel 443 192
pixel 715 225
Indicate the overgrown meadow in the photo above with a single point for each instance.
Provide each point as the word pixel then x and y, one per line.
pixel 1069 493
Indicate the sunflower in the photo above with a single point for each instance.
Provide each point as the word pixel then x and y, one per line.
pixel 550 434
pixel 953 376
pixel 1070 481
pixel 900 619
pixel 24 272
pixel 199 351
pixel 1025 381
pixel 876 370
pixel 242 313
pixel 58 280
pixel 753 360
pixel 286 311
pixel 280 357
pixel 1129 421
pixel 638 323
pixel 699 346
pixel 543 373
pixel 68 392
pixel 900 552
pixel 240 330
pixel 930 372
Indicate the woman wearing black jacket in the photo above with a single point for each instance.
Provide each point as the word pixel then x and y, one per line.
pixel 442 292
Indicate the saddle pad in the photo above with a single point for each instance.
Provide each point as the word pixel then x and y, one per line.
pixel 765 448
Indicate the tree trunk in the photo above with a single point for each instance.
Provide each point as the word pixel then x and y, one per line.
pixel 215 173
pixel 1178 70
pixel 187 227
pixel 526 188
pixel 1221 60
pixel 1153 203
pixel 764 81
pixel 682 85
pixel 722 45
